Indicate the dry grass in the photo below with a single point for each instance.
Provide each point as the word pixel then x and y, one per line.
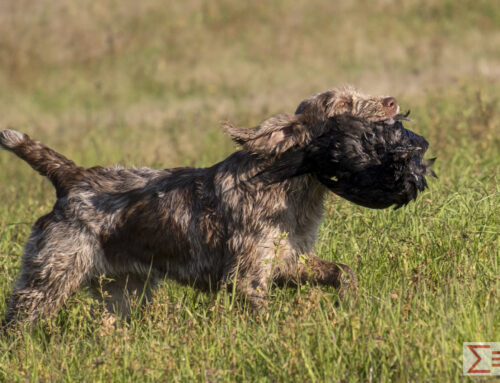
pixel 148 82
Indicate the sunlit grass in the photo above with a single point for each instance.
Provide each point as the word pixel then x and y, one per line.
pixel 149 84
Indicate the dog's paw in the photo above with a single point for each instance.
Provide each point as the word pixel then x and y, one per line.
pixel 10 138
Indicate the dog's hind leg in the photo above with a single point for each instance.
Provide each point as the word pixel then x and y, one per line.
pixel 58 258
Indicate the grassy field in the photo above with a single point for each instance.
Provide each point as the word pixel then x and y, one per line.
pixel 145 83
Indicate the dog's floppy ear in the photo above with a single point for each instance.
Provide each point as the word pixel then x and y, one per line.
pixel 274 136
pixel 239 135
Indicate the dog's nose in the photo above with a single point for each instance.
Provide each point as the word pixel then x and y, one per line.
pixel 390 102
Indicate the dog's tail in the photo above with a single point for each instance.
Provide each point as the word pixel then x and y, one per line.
pixel 61 171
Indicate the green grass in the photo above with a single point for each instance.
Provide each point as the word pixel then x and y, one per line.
pixel 149 84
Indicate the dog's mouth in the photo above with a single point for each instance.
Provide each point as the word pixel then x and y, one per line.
pixel 396 117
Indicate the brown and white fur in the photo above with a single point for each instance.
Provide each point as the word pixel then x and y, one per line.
pixel 204 227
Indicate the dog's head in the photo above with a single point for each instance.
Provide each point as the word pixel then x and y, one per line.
pixel 284 132
pixel 356 146
pixel 349 101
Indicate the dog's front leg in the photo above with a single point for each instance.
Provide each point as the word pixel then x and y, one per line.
pixel 313 269
pixel 252 287
pixel 252 282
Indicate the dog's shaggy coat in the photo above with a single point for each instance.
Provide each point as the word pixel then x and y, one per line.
pixel 204 227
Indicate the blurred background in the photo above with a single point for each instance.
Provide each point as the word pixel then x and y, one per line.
pixel 148 82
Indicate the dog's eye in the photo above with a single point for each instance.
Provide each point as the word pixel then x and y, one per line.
pixel 343 104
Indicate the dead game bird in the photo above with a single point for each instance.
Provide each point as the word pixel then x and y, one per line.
pixel 373 164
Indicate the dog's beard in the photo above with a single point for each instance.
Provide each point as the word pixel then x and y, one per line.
pixel 375 165
pixel 398 117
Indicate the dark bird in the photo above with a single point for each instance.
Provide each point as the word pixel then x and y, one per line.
pixel 373 164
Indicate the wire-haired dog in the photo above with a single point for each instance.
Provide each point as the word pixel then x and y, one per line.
pixel 204 227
